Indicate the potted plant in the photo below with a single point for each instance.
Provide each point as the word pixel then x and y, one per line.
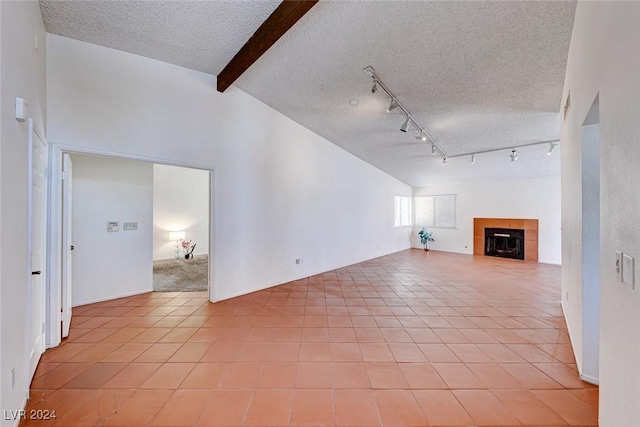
pixel 425 238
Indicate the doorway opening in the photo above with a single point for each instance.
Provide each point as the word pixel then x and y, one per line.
pixel 180 229
pixel 590 165
pixel 109 251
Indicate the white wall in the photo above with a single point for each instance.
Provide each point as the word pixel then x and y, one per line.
pixel 1 197
pixel 180 202
pixel 282 192
pixel 536 198
pixel 109 265
pixel 604 61
pixel 1 191
pixel 22 75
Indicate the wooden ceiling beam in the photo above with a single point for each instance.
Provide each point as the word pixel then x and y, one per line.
pixel 278 23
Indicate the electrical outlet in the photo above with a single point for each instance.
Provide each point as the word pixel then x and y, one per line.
pixel 619 264
pixel 13 378
pixel 126 226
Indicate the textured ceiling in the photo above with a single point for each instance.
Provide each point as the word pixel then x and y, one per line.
pixel 201 35
pixel 475 75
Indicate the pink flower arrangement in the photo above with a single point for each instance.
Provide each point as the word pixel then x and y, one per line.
pixel 186 244
pixel 187 247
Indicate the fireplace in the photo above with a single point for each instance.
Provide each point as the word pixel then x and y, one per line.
pixel 504 242
pixel 530 227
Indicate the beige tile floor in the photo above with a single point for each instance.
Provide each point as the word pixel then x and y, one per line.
pixel 410 339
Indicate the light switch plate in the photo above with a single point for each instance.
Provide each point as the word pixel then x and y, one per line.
pixel 628 270
pixel 112 226
pixel 126 226
pixel 619 264
pixel 21 110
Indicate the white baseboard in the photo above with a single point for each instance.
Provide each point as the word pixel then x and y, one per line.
pixel 219 298
pixel 590 379
pixel 109 298
pixel 23 406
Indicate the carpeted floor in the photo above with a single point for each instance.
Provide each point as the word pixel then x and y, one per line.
pixel 181 275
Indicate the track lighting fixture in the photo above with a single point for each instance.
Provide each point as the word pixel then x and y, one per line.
pixel 423 135
pixel 392 106
pixel 513 155
pixel 395 104
pixel 405 125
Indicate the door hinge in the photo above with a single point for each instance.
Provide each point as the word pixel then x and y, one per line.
pixel 43 327
pixel 65 175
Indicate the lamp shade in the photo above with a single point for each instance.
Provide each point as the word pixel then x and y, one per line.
pixel 176 235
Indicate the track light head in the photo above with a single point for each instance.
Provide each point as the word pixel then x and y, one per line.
pixel 433 149
pixel 552 148
pixel 514 155
pixel 374 87
pixel 444 161
pixel 405 125
pixel 392 106
pixel 421 136
pixel 473 159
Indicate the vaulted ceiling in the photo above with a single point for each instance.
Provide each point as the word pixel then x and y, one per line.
pixel 475 75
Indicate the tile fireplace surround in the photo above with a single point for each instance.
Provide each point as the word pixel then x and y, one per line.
pixel 530 227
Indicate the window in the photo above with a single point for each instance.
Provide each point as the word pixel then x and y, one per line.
pixel 403 211
pixel 435 211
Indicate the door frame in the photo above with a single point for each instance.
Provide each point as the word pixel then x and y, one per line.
pixel 54 225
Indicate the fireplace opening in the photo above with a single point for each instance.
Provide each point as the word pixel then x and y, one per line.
pixel 504 242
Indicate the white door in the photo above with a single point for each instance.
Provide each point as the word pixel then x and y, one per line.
pixel 67 243
pixel 37 241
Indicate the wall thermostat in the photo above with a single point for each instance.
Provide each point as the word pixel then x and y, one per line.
pixel 112 226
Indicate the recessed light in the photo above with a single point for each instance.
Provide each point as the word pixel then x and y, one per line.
pixel 353 102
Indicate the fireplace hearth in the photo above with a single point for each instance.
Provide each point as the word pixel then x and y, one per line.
pixel 504 242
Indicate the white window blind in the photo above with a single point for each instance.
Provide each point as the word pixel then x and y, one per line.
pixel 435 211
pixel 403 211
